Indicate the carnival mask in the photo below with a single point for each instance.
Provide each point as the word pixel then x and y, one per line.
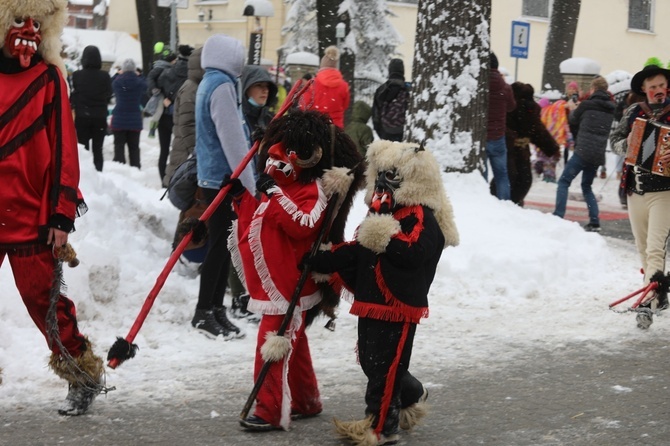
pixel 284 165
pixel 387 183
pixel 22 39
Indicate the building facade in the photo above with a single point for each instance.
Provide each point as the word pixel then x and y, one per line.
pixel 618 34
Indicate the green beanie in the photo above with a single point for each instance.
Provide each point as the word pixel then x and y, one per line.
pixel 654 61
pixel 158 47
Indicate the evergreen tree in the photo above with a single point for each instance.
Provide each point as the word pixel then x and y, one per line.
pixel 450 72
pixel 371 37
pixel 300 26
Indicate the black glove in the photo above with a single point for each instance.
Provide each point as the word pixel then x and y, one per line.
pixel 236 187
pixel 257 134
pixel 264 183
pixel 189 224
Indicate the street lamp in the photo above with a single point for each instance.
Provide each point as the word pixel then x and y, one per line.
pixel 340 32
pixel 257 9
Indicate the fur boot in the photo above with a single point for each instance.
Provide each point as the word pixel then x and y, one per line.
pixel 360 432
pixel 84 376
pixel 411 416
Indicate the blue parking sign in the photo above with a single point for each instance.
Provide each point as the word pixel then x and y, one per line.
pixel 520 39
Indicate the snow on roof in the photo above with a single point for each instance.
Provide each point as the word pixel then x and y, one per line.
pixel 303 58
pixel 579 65
pixel 259 8
pixel 114 46
pixel 618 80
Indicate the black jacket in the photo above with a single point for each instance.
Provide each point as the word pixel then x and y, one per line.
pixel 91 87
pixel 591 123
pixel 172 78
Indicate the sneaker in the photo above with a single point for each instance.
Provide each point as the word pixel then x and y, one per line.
pixel 231 330
pixel 205 322
pixel 78 400
pixel 644 318
pixel 592 227
pixel 238 309
pixel 257 424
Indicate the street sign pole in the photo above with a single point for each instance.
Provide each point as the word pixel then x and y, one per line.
pixel 519 43
pixel 173 26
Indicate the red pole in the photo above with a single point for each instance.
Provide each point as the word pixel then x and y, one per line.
pixel 114 362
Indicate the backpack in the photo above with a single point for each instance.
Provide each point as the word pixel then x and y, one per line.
pixel 391 114
pixel 183 184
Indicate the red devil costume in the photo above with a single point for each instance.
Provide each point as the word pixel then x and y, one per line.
pixel 268 242
pixel 389 269
pixel 40 199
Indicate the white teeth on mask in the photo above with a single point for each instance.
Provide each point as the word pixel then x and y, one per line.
pixel 24 42
pixel 34 45
pixel 17 42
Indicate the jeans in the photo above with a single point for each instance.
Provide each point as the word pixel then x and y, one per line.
pixel 496 151
pixel 574 166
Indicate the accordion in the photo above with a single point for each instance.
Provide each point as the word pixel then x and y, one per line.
pixel 658 141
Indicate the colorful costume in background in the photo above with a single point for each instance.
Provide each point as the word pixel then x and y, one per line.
pixel 387 272
pixel 40 168
pixel 555 119
pixel 268 242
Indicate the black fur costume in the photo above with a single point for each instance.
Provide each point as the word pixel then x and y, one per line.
pixel 524 126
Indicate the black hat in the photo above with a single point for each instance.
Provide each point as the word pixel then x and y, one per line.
pixel 493 60
pixel 647 72
pixel 396 69
pixel 185 50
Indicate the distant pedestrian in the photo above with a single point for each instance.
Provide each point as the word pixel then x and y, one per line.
pixel 127 115
pixel 591 122
pixel 90 96
pixel 329 93
pixel 169 82
pixel 501 102
pixel 389 106
pixel 358 128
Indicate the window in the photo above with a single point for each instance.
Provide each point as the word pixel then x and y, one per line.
pixel 639 14
pixel 535 8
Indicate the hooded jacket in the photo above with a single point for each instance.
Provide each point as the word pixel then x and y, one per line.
pixel 172 78
pixel 255 116
pixel 91 87
pixel 222 138
pixel 329 94
pixel 358 129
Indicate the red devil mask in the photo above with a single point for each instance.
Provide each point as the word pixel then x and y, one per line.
pixel 22 39
pixel 281 166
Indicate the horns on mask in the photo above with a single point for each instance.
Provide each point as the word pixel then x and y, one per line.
pixel 312 160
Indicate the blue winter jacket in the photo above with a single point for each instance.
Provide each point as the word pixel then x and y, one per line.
pixel 221 137
pixel 128 90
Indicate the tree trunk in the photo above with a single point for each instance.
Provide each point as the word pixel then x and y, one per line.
pixel 560 41
pixel 154 25
pixel 326 21
pixel 449 102
pixel 99 21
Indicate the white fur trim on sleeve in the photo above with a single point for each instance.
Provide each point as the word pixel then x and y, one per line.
pixel 376 231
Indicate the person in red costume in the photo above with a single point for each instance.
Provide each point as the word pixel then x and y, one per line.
pixel 39 166
pixel 329 92
pixel 268 242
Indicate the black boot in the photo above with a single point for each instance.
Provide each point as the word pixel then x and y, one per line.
pixel 205 322
pixel 238 309
pixel 232 331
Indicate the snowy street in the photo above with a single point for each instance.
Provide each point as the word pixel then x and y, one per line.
pixel 519 349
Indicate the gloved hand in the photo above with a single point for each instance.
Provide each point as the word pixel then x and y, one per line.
pixel 236 187
pixel 189 224
pixel 257 134
pixel 264 183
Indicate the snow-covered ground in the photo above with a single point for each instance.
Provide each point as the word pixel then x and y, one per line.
pixel 520 278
